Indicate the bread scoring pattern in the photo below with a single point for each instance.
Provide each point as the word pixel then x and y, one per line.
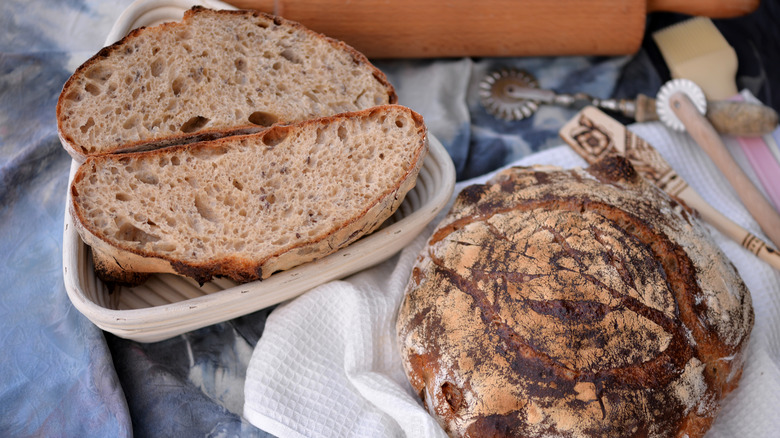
pixel 572 302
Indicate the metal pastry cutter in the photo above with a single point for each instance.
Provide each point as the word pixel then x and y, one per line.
pixel 511 94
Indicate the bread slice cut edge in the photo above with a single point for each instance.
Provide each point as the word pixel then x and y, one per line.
pixel 119 264
pixel 80 79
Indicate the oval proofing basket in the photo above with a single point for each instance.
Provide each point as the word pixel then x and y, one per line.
pixel 168 305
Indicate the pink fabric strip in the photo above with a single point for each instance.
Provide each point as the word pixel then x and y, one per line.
pixel 764 163
pixel 774 142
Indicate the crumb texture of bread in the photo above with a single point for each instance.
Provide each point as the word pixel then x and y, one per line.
pixel 554 302
pixel 214 71
pixel 247 206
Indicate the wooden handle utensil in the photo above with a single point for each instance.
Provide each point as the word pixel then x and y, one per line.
pixel 593 134
pixel 735 118
pixel 700 129
pixel 429 28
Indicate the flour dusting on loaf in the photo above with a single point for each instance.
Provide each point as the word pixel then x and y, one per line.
pixel 554 302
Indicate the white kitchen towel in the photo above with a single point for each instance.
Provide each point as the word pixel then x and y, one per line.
pixel 327 364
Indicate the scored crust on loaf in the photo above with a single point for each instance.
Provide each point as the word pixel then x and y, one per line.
pixel 246 206
pixel 555 302
pixel 211 72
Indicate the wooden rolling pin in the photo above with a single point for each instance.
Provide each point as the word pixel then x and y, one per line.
pixel 456 28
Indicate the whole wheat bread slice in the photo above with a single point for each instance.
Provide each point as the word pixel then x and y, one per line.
pixel 246 206
pixel 214 71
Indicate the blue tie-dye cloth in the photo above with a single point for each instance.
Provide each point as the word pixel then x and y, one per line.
pixel 62 376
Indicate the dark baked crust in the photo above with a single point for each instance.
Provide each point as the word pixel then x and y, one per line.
pixel 573 303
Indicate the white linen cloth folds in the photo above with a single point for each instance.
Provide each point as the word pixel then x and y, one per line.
pixel 327 364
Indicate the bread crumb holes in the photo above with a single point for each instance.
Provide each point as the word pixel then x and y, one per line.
pixel 194 124
pixel 92 89
pixel 262 118
pixel 274 137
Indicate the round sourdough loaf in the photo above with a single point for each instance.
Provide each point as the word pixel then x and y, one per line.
pixel 555 302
